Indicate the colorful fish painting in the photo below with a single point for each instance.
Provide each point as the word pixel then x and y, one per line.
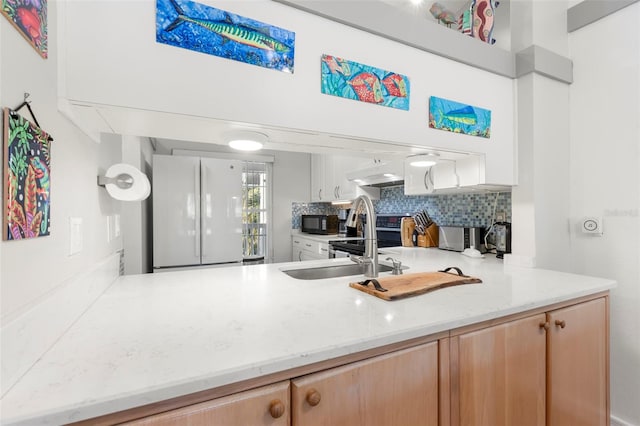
pixel 352 80
pixel 459 118
pixel 30 18
pixel 27 169
pixel 205 29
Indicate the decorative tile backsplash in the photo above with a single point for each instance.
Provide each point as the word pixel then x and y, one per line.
pixel 446 210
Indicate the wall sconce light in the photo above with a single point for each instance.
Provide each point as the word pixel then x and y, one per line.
pixel 246 141
pixel 423 160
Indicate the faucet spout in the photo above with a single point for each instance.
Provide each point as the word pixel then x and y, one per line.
pixel 370 257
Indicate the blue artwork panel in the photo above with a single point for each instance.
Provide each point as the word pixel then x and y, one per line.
pixel 351 80
pixel 205 29
pixel 455 117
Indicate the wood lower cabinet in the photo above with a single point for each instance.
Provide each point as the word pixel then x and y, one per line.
pixel 500 375
pixel 396 389
pixel 268 405
pixel 546 369
pixel 578 365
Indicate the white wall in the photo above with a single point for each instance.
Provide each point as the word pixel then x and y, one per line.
pixel 171 79
pixel 605 181
pixel 32 271
pixel 32 268
pixel 291 182
pixel 136 216
pixel 540 202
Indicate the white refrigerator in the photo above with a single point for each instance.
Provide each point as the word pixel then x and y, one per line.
pixel 197 212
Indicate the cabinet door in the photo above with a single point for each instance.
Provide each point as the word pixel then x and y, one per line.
pixel 396 389
pixel 296 248
pixel 418 180
pixel 445 176
pixel 578 365
pixel 268 405
pixel 318 177
pixel 344 189
pixel 498 375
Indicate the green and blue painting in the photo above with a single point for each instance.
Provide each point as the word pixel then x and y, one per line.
pixel 205 29
pixel 351 80
pixel 26 174
pixel 459 118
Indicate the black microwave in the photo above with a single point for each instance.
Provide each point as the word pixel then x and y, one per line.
pixel 325 224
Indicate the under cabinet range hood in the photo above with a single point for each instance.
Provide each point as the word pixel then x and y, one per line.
pixel 382 174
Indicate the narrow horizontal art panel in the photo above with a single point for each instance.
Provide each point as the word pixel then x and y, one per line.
pixel 456 117
pixel 205 29
pixel 352 80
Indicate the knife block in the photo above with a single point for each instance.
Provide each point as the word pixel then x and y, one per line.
pixel 407 226
pixel 430 238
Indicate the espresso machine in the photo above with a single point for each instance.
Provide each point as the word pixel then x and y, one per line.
pixel 503 238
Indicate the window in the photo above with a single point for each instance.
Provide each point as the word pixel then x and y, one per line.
pixel 255 205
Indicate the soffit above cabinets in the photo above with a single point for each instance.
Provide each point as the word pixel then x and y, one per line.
pixel 94 119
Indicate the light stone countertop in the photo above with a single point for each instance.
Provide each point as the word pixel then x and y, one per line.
pixel 157 336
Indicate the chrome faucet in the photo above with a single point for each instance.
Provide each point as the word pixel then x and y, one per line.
pixel 370 257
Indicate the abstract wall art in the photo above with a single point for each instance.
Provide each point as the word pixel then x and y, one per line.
pixel 30 18
pixel 26 168
pixel 456 117
pixel 351 80
pixel 205 29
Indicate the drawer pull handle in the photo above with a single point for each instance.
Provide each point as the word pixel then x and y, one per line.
pixel 561 323
pixel 545 325
pixel 313 397
pixel 276 408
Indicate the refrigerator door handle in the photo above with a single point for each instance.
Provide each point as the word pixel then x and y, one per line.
pixel 197 211
pixel 204 203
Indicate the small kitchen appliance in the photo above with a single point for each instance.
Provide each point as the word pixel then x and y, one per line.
pixel 323 224
pixel 342 221
pixel 503 238
pixel 459 238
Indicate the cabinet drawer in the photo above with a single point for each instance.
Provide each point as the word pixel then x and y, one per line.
pixel 268 405
pixel 314 249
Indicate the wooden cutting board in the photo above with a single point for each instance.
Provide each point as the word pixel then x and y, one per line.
pixel 407 285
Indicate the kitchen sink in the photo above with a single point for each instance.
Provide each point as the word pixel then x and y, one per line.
pixel 332 271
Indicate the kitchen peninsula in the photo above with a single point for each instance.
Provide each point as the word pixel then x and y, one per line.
pixel 215 332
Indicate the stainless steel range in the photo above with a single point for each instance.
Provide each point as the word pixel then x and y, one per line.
pixel 387 233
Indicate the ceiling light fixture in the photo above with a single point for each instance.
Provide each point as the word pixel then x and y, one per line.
pixel 246 141
pixel 423 160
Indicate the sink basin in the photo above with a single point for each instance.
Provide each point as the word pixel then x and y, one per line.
pixel 331 271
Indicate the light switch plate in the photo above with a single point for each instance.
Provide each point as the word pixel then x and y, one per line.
pixel 116 225
pixel 75 235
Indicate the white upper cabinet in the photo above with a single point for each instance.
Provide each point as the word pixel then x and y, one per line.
pixel 465 174
pixel 318 181
pixel 329 178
